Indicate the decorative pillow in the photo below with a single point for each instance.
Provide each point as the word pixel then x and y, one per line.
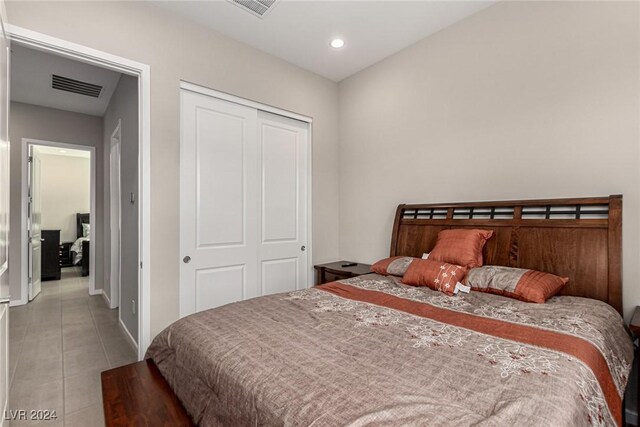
pixel 439 276
pixel 86 229
pixel 519 283
pixel 395 266
pixel 460 247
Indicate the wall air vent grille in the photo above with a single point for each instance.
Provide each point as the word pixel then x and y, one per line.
pixel 75 86
pixel 259 8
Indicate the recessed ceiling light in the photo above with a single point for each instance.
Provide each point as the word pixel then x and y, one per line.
pixel 63 151
pixel 337 43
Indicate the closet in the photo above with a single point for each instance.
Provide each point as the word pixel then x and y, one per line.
pixel 244 196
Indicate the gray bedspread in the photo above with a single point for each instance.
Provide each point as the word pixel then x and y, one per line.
pixel 371 351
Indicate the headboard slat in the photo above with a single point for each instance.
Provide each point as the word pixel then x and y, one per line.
pixel 580 238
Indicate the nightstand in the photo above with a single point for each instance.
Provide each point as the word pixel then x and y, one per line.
pixel 333 271
pixel 66 260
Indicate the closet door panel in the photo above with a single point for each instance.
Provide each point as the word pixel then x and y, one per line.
pixel 218 203
pixel 282 148
pixel 220 163
pixel 219 286
pixel 280 176
pixel 279 275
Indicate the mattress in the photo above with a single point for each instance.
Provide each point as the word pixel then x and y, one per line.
pixel 372 351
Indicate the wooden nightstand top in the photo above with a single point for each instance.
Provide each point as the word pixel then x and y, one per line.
pixel 356 270
pixel 635 322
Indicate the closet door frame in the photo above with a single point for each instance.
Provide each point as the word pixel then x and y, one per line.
pixel 184 85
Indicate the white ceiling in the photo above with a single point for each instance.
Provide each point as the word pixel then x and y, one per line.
pixel 31 72
pixel 300 31
pixel 55 151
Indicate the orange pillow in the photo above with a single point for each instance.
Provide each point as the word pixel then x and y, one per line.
pixel 396 265
pixel 519 283
pixel 460 247
pixel 438 276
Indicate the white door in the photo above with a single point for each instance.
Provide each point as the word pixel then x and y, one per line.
pixel 4 221
pixel 115 223
pixel 218 203
pixel 243 219
pixel 34 220
pixel 282 149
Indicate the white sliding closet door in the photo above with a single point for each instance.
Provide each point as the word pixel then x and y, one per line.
pixel 218 203
pixel 243 203
pixel 282 145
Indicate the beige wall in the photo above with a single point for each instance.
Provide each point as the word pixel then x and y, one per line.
pixel 523 100
pixel 123 108
pixel 65 188
pixel 30 121
pixel 179 49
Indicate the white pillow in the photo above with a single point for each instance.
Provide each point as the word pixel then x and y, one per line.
pixel 86 229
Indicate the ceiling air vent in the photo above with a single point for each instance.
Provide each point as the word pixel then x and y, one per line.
pixel 259 8
pixel 75 86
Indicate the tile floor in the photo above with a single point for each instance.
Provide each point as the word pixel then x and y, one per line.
pixel 59 344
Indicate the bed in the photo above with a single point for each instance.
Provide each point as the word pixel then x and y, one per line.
pixel 373 351
pixel 80 248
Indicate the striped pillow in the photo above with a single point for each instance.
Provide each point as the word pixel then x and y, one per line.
pixel 519 283
pixel 395 266
pixel 436 275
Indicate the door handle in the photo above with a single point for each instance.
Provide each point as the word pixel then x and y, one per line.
pixel 5 300
pixel 42 240
pixel 186 259
pixel 303 248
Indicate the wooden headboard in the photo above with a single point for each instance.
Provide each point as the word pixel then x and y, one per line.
pixel 579 238
pixel 81 218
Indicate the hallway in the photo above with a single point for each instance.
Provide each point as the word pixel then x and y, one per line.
pixel 59 344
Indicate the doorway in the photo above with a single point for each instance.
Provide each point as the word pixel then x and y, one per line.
pixel 67 240
pixel 44 43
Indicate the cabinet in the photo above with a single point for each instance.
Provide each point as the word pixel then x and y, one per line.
pixel 66 260
pixel 340 270
pixel 50 255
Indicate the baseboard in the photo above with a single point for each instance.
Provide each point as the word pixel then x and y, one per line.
pixel 106 298
pixel 631 417
pixel 128 334
pixel 17 302
pixel 96 292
